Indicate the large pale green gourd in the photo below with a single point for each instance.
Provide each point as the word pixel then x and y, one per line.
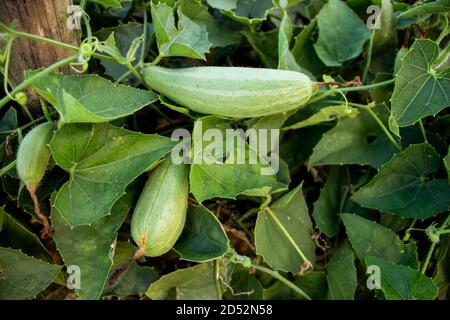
pixel 160 212
pixel 231 91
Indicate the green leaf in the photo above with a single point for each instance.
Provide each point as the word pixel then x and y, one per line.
pixel 75 244
pixel 195 283
pixel 371 239
pixel 23 277
pixel 243 286
pixel 218 34
pixel 384 47
pixel 286 60
pixel 108 3
pixel 15 234
pixel 8 122
pixel 323 114
pixel 203 238
pixel 304 53
pixel 327 207
pixel 223 5
pixel 402 187
pixel 102 160
pixel 123 36
pixel 263 43
pixel 403 283
pixel 249 12
pixel 306 137
pixel 447 164
pixel 357 140
pixel 189 39
pixel 419 90
pixel 435 7
pixel 341 34
pixel 109 46
pixel 341 274
pixel 89 98
pixel 284 229
pixel 313 283
pixel 136 279
pixel 227 179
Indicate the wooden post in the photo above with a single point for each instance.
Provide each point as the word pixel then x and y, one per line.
pixel 47 18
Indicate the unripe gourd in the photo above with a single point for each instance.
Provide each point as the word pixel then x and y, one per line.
pixel 34 154
pixel 160 212
pixel 33 157
pixel 232 91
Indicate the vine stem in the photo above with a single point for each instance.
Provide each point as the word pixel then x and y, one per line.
pixel 141 60
pixel 7 168
pixel 428 258
pixel 407 234
pixel 29 124
pixel 422 130
pixel 36 76
pixel 30 36
pixel 135 72
pixel 369 57
pixel 288 236
pixel 279 277
pixel 369 86
pixel 216 278
pixel 374 116
pixel 332 91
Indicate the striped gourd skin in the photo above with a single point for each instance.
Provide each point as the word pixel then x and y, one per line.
pixel 231 91
pixel 160 212
pixel 34 154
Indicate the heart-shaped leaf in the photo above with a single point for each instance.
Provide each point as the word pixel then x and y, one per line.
pixel 203 238
pixel 188 39
pixel 419 90
pixel 283 233
pixel 402 186
pixel 23 277
pixel 89 98
pixel 371 239
pixel 401 282
pixel 102 160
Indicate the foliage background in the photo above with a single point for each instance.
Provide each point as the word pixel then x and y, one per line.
pixel 363 181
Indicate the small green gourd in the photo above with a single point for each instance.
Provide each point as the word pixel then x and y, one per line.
pixel 33 157
pixel 160 212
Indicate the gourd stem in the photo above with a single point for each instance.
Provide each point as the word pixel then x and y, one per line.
pixel 36 76
pixel 123 268
pixel 47 231
pixel 369 86
pixel 307 263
